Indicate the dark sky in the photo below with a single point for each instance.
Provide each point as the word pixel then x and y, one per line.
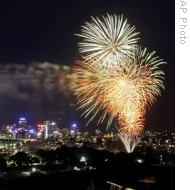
pixel 43 31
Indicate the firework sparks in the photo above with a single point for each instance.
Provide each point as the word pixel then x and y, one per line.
pixel 109 41
pixel 123 100
pixel 131 123
pixel 89 90
pixel 130 142
pixel 148 74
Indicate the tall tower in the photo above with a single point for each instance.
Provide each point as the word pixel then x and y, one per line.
pixel 50 128
pixel 22 125
pixel 22 122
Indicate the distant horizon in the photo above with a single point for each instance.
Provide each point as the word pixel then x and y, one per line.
pixel 80 126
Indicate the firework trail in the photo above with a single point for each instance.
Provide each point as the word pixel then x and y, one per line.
pixel 130 142
pixel 109 40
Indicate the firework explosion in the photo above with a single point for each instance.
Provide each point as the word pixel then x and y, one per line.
pixel 89 89
pixel 116 78
pixel 108 41
pixel 131 89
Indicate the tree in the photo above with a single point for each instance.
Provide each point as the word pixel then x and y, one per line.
pixel 20 159
pixel 3 163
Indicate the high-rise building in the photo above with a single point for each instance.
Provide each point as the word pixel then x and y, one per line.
pixel 50 128
pixel 22 122
pixel 47 129
pixel 22 125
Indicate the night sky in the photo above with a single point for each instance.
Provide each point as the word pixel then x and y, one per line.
pixel 37 43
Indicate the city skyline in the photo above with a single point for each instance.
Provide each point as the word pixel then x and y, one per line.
pixel 37 33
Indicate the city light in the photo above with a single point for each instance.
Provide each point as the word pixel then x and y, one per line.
pixel 83 159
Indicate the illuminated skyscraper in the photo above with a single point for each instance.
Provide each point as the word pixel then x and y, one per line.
pixel 50 128
pixel 22 122
pixel 22 125
pixel 47 129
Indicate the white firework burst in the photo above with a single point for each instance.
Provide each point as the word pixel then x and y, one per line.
pixel 107 42
pixel 130 142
